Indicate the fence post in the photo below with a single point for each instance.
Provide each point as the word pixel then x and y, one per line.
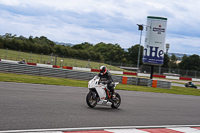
pixel 186 72
pixel 141 69
pixel 99 64
pixel 6 53
pixel 75 62
pixel 51 59
pixel 63 61
pixel 41 58
pixel 55 60
pixel 30 55
pixel 19 55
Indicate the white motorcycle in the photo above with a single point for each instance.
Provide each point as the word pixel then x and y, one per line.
pixel 100 94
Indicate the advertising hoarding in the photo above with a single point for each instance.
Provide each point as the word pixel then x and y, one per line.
pixel 153 53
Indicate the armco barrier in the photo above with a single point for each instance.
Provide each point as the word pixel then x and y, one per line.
pixel 96 70
pixel 159 84
pixel 45 71
pixel 66 73
pixel 163 84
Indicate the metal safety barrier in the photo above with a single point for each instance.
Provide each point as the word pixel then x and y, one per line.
pixel 65 73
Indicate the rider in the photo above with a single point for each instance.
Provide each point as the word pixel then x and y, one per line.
pixel 22 61
pixel 190 83
pixel 105 77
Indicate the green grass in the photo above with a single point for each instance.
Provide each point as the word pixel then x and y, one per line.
pixel 173 90
pixel 8 77
pixel 44 59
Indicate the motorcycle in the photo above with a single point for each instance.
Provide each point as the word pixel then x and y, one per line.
pixel 100 94
pixel 191 85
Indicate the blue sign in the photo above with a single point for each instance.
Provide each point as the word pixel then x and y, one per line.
pixel 155 55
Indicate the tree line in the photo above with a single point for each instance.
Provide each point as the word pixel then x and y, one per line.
pixel 96 52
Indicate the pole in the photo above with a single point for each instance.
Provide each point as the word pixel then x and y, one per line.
pixel 63 61
pixel 55 60
pixel 138 58
pixel 151 76
pixel 19 55
pixel 41 58
pixel 30 56
pixel 159 70
pixel 6 53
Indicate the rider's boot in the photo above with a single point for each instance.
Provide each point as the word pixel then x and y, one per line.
pixel 112 95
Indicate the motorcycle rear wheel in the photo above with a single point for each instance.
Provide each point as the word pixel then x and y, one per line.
pixel 90 101
pixel 116 103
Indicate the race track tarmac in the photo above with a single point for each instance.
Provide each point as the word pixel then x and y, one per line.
pixel 35 106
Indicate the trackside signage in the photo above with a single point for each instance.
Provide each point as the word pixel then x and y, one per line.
pixel 153 53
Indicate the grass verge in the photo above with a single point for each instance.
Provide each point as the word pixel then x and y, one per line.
pixel 8 77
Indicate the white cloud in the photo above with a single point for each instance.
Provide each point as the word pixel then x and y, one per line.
pixel 183 44
pixel 10 2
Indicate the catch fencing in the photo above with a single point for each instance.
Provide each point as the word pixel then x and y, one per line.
pixel 65 73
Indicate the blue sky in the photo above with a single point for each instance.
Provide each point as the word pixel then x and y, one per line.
pixel 109 21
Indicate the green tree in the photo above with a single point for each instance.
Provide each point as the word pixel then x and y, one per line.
pixel 31 39
pixel 84 54
pixel 21 38
pixel 184 57
pixel 82 46
pixel 190 63
pixel 8 43
pixel 44 40
pixel 133 54
pixel 93 55
pixel 110 52
pixel 9 36
pixel 45 49
pixel 59 49
pixel 173 61
pixel 16 44
pixel 100 57
pixel 26 46
pixel 1 42
pixel 166 61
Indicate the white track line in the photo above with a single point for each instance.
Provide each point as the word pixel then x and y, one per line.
pixel 97 128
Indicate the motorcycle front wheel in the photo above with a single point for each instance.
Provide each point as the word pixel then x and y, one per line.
pixel 91 100
pixel 116 103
